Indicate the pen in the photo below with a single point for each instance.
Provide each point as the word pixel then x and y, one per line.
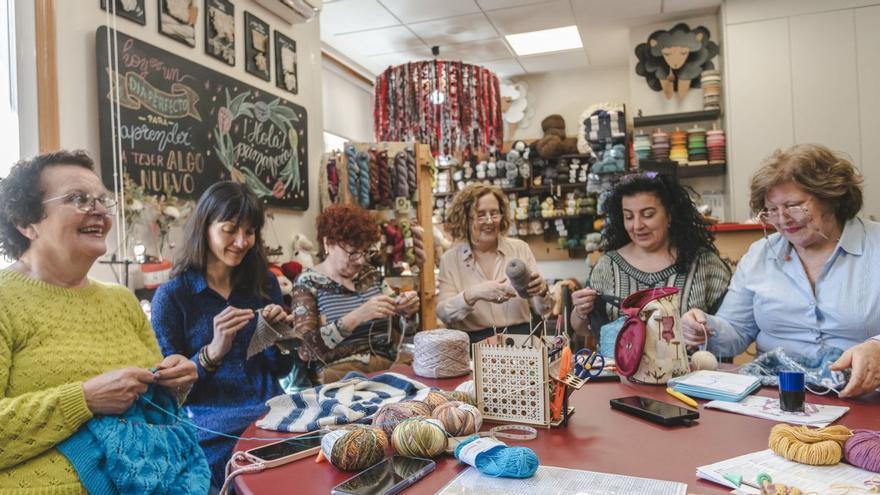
pixel 680 396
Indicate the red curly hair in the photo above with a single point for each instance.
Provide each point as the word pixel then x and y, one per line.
pixel 348 224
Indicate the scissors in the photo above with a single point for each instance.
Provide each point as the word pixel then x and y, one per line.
pixel 585 364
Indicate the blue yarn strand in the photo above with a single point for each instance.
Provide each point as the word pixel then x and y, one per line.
pixel 503 461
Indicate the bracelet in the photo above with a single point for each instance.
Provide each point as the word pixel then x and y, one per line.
pixel 206 362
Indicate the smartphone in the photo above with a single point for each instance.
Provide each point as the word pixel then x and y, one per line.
pixel 390 476
pixel 655 410
pixel 292 449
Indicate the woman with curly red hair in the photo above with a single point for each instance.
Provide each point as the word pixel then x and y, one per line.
pixel 342 307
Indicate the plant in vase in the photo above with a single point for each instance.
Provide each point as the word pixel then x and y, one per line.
pixel 170 211
pixel 133 212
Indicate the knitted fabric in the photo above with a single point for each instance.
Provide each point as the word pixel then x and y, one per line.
pixel 142 451
pixel 52 340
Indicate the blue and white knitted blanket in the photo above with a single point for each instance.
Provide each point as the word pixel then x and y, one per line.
pixel 349 400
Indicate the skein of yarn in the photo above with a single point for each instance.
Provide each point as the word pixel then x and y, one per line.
pixel 863 450
pixel 354 448
pixel 419 437
pixel 441 353
pixel 813 446
pixel 494 458
pixel 353 170
pixel 458 419
pixel 391 415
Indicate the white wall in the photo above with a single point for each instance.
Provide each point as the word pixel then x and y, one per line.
pixel 348 105
pixel 802 71
pixel 569 93
pixel 76 23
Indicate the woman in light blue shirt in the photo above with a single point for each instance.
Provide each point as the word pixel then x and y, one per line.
pixel 813 284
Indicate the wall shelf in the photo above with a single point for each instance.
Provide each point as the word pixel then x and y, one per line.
pixel 676 118
pixel 690 171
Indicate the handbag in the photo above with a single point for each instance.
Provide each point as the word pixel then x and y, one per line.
pixel 650 346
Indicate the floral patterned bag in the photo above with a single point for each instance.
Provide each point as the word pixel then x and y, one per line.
pixel 650 346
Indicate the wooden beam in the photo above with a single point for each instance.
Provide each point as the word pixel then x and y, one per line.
pixel 346 68
pixel 47 75
pixel 424 212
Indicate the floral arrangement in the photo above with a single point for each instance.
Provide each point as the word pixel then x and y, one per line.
pixel 170 211
pixel 133 207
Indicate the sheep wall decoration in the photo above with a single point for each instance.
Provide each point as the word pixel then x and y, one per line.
pixel 671 61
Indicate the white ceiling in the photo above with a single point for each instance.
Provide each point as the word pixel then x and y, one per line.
pixel 378 33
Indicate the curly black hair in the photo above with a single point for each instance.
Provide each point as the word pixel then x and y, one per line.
pixel 687 233
pixel 21 197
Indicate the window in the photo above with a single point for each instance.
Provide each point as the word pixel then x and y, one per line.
pixel 9 151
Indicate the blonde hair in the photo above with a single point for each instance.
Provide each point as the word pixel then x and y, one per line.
pixel 824 174
pixel 464 206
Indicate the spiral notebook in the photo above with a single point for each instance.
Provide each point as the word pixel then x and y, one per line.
pixel 715 385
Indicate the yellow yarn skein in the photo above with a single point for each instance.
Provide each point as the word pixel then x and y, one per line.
pixel 813 446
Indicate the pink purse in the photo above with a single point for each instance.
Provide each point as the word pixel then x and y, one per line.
pixel 650 346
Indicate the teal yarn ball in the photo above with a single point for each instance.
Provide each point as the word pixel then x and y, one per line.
pixel 503 461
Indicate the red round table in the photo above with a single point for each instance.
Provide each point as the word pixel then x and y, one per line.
pixel 597 439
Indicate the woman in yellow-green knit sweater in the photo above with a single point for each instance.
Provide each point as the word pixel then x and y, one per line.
pixel 70 347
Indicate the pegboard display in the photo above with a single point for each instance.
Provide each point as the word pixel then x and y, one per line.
pixel 512 383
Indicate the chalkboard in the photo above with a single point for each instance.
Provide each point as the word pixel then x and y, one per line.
pixel 182 127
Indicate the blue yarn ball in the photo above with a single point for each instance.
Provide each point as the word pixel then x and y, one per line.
pixel 503 461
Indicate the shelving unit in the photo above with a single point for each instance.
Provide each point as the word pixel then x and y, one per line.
pixel 676 118
pixel 421 204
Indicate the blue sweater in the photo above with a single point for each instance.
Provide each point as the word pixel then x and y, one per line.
pixel 232 397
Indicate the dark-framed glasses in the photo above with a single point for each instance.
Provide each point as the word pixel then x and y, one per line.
pixel 365 254
pixel 85 202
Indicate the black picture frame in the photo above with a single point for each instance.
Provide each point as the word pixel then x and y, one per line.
pixel 219 40
pixel 173 25
pixel 257 58
pixel 284 78
pixel 137 14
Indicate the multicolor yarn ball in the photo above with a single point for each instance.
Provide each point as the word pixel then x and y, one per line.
pixel 458 395
pixel 419 437
pixel 435 398
pixel 354 448
pixel 458 418
pixel 391 415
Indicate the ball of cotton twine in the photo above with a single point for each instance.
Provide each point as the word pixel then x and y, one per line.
pixel 441 353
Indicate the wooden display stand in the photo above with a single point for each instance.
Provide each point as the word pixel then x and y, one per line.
pixel 422 205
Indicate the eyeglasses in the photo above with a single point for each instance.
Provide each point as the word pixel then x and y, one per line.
pixel 354 256
pixel 86 203
pixel 489 217
pixel 798 213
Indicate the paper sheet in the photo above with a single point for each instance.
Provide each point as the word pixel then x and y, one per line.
pixel 819 479
pixel 768 408
pixel 557 481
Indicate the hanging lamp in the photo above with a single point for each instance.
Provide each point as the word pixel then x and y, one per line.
pixel 452 106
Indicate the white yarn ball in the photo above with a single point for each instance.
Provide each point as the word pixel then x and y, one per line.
pixel 441 353
pixel 704 360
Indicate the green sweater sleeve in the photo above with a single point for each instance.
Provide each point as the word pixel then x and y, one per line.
pixel 34 422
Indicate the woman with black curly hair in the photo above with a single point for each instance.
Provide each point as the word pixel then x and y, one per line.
pixel 654 238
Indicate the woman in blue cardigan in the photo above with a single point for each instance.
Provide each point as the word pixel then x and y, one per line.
pixel 208 311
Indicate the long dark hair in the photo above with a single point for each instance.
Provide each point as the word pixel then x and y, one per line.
pixel 687 231
pixel 225 201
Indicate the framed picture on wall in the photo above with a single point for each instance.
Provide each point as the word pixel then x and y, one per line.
pixel 256 46
pixel 285 63
pixel 133 10
pixel 177 20
pixel 220 30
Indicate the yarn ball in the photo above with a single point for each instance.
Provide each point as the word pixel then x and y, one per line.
pixel 435 398
pixel 459 419
pixel 441 353
pixel 460 396
pixel 391 415
pixel 503 461
pixel 354 448
pixel 419 437
pixel 863 450
pixel 470 390
pixel 813 446
pixel 704 360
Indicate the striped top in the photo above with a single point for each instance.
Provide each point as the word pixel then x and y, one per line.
pixel 319 303
pixel 703 286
